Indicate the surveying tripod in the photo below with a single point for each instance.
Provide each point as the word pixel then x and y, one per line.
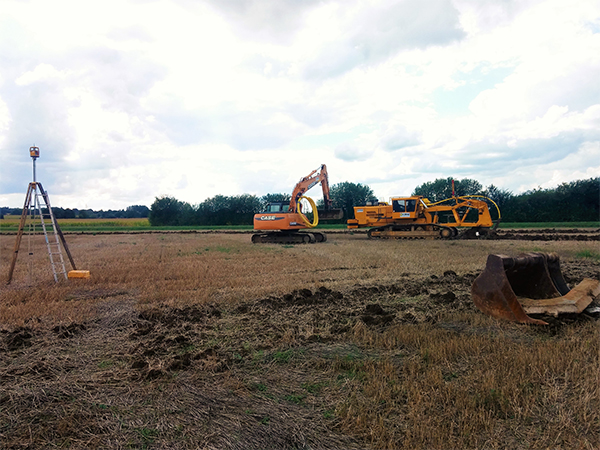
pixel 36 195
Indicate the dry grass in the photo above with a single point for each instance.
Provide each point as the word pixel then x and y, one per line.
pixel 182 269
pixel 208 341
pixel 10 220
pixel 477 390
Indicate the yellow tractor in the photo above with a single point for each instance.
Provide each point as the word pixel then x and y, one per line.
pixel 417 218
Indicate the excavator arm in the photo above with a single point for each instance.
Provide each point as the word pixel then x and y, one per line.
pixel 308 182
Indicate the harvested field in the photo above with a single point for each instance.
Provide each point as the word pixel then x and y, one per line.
pixel 205 340
pixel 550 234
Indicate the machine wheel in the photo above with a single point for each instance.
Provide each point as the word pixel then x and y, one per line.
pixel 306 239
pixel 320 237
pixel 445 233
pixel 256 238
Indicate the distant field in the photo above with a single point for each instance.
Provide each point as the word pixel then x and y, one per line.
pixel 10 223
pixel 11 219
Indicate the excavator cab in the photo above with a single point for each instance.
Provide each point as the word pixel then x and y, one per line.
pixel 275 207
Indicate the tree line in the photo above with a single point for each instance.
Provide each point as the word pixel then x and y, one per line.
pixel 131 212
pixel 240 209
pixel 577 201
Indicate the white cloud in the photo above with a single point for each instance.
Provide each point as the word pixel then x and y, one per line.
pixel 352 152
pixel 140 99
pixel 42 72
pixel 4 121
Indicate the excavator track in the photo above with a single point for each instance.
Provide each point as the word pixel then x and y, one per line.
pixel 289 238
pixel 412 231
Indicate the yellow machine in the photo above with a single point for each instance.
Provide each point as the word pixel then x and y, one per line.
pixel 281 222
pixel 417 218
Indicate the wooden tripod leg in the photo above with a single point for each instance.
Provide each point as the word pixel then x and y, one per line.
pixel 57 228
pixel 26 206
pixel 64 243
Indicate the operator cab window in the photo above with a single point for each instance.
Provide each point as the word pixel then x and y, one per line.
pixel 278 207
pixel 398 205
pixel 411 205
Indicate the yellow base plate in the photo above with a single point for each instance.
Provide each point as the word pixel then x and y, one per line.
pixel 79 274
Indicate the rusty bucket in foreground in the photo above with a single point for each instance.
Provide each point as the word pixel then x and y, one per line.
pixel 531 283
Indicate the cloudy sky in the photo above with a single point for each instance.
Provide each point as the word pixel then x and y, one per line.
pixel 129 100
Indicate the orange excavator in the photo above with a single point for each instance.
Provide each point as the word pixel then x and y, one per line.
pixel 282 221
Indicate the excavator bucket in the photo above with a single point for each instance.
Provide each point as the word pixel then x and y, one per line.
pixel 532 283
pixel 330 214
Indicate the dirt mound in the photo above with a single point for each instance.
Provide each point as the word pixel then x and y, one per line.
pixel 548 234
pixel 16 339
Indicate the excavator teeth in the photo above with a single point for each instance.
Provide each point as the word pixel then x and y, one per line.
pixel 511 288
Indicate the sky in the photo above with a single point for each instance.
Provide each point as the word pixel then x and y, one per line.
pixel 130 100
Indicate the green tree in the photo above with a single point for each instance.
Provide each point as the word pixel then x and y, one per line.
pixel 269 198
pixel 441 188
pixel 86 214
pixel 137 211
pixel 500 196
pixel 347 195
pixel 579 200
pixel 166 211
pixel 58 212
pixel 576 201
pixel 211 210
pixel 224 210
pixel 243 208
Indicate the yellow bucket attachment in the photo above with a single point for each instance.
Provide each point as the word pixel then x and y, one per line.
pixel 532 283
